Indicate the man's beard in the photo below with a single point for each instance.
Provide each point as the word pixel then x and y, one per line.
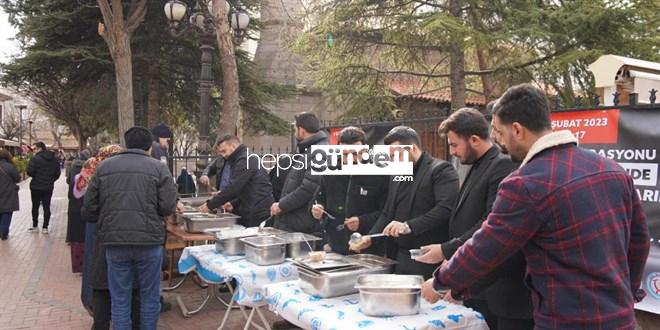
pixel 503 149
pixel 470 156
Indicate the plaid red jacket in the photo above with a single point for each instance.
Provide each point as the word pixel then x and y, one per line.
pixel 579 222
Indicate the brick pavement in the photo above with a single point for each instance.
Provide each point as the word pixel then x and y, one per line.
pixel 38 290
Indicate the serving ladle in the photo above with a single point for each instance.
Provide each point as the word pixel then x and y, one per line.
pixel 357 237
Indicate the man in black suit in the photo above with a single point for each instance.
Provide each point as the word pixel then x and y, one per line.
pixel 416 213
pixel 353 201
pixel 502 297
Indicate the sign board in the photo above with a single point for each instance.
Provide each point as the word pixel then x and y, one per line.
pixel 632 138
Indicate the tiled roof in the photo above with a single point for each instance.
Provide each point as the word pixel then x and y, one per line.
pixel 410 88
pixel 5 97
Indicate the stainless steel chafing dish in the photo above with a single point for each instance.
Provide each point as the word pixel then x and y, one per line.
pixel 228 242
pixel 298 244
pixel 264 250
pixel 337 274
pixel 401 292
pixel 198 222
pixel 195 201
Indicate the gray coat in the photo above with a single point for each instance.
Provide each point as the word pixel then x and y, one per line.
pixel 299 191
pixel 9 177
pixel 128 196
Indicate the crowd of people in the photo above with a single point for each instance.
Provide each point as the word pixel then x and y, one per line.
pixel 540 233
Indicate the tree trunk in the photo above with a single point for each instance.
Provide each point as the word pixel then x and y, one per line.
pixel 569 97
pixel 486 79
pixel 124 76
pixel 77 131
pixel 118 38
pixel 152 112
pixel 230 92
pixel 457 62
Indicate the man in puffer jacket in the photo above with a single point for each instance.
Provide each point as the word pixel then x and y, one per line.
pixel 129 195
pixel 44 168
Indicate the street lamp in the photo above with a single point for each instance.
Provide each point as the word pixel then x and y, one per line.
pixel 20 107
pixel 176 12
pixel 30 131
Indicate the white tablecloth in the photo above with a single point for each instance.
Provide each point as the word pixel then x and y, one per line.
pixel 213 267
pixel 341 313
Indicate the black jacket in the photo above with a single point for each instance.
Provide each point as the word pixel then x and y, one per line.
pixel 345 196
pixel 504 288
pixel 278 176
pixel 9 177
pixel 215 168
pixel 249 185
pixel 129 195
pixel 44 168
pixel 299 191
pixel 431 201
pixel 476 199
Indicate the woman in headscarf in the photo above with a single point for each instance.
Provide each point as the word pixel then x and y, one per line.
pixel 95 294
pixel 75 225
pixel 78 179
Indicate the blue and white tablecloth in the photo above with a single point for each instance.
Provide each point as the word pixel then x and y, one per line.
pixel 313 312
pixel 214 267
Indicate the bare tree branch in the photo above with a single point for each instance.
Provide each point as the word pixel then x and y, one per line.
pixel 136 15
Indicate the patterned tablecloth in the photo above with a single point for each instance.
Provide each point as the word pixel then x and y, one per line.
pixel 312 312
pixel 213 267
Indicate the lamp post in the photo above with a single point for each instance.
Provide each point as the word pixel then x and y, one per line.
pixel 20 124
pixel 202 21
pixel 30 132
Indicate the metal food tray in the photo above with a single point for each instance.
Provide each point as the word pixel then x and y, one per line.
pixel 198 222
pixel 228 241
pixel 402 293
pixel 268 231
pixel 341 281
pixel 299 244
pixel 371 260
pixel 186 210
pixel 331 261
pixel 263 241
pixel 264 250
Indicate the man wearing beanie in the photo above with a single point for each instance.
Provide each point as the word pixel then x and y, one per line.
pixel 162 135
pixel 129 196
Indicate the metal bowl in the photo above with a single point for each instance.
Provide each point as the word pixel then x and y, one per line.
pixel 195 201
pixel 401 292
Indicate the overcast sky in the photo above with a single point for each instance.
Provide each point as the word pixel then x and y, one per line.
pixel 8 47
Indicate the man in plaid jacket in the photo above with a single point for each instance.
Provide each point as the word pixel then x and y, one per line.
pixel 576 217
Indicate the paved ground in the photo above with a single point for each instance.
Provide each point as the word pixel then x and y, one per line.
pixel 38 290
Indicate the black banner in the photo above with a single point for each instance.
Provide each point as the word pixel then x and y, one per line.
pixel 632 138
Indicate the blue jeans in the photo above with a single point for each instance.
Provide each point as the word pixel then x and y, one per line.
pixel 142 263
pixel 5 221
